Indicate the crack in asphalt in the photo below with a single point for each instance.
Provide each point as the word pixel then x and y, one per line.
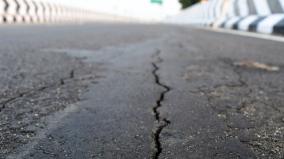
pixel 160 123
pixel 33 91
pixel 241 82
pixel 44 151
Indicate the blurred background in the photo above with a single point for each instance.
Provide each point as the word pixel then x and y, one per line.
pixel 10 10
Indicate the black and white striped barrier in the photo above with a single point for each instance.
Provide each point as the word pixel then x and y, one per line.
pixel 42 11
pixel 254 7
pixel 271 24
pixel 263 16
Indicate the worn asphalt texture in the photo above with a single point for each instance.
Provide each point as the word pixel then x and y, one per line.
pixel 124 91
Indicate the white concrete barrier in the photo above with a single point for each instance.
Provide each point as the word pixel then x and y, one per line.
pixel 46 11
pixel 43 11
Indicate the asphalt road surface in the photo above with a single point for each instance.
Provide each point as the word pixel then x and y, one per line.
pixel 134 91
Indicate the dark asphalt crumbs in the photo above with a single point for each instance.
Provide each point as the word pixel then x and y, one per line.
pixel 138 91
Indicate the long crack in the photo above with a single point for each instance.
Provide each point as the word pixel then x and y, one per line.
pixel 160 123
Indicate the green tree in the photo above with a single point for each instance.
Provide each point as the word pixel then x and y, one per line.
pixel 187 3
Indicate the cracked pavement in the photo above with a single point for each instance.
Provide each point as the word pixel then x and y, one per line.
pixel 138 91
pixel 160 122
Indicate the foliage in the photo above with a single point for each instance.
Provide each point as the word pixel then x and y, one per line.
pixel 187 3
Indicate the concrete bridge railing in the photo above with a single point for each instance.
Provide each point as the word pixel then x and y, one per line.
pixel 45 11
